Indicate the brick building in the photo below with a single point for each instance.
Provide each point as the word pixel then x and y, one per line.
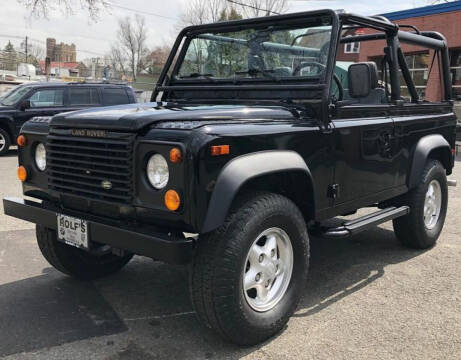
pixel 444 18
pixel 60 69
pixel 60 52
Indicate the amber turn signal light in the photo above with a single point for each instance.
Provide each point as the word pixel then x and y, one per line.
pixel 21 140
pixel 172 200
pixel 175 155
pixel 22 173
pixel 217 150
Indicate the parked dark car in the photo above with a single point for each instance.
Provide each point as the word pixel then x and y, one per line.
pixel 48 98
pixel 253 140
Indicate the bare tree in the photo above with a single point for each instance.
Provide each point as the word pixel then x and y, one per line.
pixel 257 8
pixel 140 34
pixel 34 52
pixel 41 8
pixel 127 42
pixel 117 59
pixel 132 35
pixel 197 12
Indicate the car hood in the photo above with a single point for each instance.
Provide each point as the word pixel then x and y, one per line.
pixel 134 117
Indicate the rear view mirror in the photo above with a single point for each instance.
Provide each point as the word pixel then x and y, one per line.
pixel 25 105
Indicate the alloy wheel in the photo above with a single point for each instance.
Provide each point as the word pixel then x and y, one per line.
pixel 268 269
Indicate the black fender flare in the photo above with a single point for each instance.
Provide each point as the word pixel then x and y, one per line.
pixel 422 150
pixel 242 169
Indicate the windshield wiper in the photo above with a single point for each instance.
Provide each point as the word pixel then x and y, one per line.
pixel 198 75
pixel 252 72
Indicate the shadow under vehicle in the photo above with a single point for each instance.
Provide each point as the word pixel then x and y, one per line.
pixel 252 141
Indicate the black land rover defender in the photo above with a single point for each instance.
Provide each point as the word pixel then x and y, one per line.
pixel 258 132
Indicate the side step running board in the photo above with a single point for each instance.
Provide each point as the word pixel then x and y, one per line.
pixel 365 222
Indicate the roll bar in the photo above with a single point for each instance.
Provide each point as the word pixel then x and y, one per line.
pixel 390 32
pixel 267 45
pixel 428 39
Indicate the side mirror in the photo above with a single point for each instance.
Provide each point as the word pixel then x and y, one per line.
pixel 25 105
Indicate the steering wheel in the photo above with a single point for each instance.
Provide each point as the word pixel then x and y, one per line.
pixel 304 64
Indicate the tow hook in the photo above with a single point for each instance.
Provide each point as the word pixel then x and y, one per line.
pixel 451 182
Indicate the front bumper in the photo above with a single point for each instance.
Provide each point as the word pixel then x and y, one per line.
pixel 141 240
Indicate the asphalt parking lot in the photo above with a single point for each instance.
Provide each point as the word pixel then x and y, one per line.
pixel 366 298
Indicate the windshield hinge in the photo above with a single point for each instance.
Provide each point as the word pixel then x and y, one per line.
pixel 333 191
pixel 325 128
pixel 331 110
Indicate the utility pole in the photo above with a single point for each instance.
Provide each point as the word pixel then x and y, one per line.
pixel 27 57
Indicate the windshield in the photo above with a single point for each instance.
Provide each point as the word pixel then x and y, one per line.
pixel 12 97
pixel 272 52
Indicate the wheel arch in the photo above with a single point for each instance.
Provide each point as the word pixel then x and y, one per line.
pixel 429 147
pixel 7 124
pixel 283 172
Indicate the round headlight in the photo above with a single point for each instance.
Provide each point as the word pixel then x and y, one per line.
pixel 40 157
pixel 157 171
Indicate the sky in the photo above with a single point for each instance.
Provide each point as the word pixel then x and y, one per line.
pixel 93 39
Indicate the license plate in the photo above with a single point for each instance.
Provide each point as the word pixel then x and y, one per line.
pixel 73 231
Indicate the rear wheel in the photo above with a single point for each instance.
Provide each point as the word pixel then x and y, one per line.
pixel 248 275
pixel 76 262
pixel 5 142
pixel 421 228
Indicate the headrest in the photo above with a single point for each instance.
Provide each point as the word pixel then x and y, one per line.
pixel 363 77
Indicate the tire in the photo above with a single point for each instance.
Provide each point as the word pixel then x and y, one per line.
pixel 415 230
pixel 5 142
pixel 76 262
pixel 220 265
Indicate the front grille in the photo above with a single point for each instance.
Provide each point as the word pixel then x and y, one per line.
pixel 88 166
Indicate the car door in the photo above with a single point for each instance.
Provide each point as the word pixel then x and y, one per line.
pixel 42 102
pixel 365 154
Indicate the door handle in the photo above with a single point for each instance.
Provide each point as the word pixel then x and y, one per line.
pixel 385 143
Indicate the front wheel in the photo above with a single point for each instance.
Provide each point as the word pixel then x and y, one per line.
pixel 248 275
pixel 76 262
pixel 421 228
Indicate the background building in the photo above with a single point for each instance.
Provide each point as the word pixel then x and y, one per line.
pixel 60 52
pixel 64 69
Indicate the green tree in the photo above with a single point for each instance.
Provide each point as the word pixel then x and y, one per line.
pixel 9 57
pixel 228 14
pixel 9 47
